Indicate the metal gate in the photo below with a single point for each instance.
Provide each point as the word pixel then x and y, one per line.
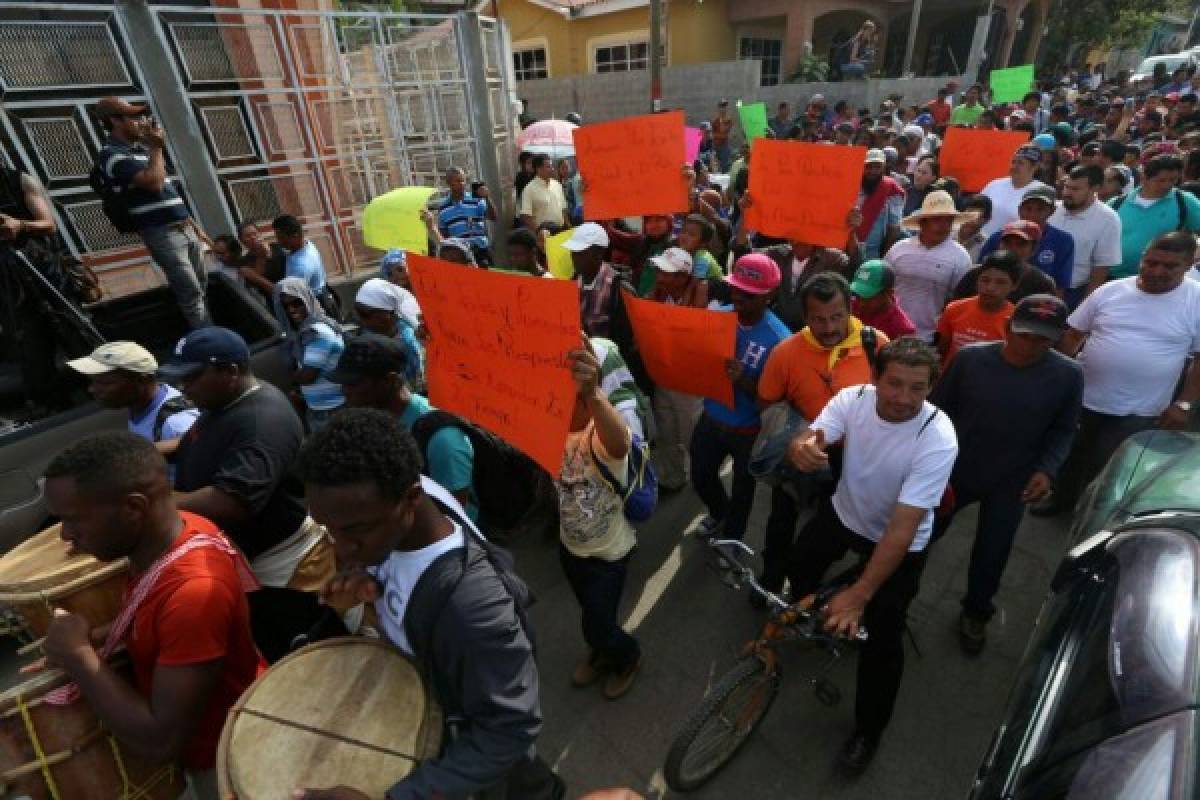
pixel 266 111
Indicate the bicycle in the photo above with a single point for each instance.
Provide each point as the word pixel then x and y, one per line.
pixel 739 701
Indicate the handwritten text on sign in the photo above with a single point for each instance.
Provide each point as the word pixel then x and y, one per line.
pixel 803 191
pixel 497 352
pixel 632 166
pixel 683 348
pixel 974 156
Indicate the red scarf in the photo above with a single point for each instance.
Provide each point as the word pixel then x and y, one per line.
pixel 116 634
pixel 875 202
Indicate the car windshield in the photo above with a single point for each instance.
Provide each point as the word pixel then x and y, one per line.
pixel 1147 66
pixel 1133 651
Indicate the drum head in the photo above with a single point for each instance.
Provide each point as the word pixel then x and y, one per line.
pixel 350 711
pixel 43 562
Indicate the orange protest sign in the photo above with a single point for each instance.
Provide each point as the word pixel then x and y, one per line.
pixel 632 166
pixel 973 157
pixel 497 352
pixel 803 191
pixel 684 348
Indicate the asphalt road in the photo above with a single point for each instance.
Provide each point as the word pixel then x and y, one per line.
pixel 691 626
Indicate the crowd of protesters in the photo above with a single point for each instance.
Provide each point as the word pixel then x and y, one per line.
pixel 989 348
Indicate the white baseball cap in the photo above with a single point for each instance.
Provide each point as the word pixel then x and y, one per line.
pixel 589 234
pixel 129 356
pixel 674 259
pixel 876 157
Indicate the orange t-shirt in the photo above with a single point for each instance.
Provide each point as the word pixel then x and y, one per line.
pixel 808 376
pixel 965 322
pixel 197 612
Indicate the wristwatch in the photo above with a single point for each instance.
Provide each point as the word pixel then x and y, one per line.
pixel 1185 406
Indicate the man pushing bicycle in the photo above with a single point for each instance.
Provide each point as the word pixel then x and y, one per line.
pixel 898 454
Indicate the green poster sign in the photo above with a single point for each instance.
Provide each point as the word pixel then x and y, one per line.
pixel 1010 85
pixel 754 120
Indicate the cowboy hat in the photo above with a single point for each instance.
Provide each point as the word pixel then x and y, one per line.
pixel 936 204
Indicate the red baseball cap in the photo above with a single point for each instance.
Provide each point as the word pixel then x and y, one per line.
pixel 1028 230
pixel 755 273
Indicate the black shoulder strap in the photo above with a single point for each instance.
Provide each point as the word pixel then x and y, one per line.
pixel 1181 206
pixel 1120 201
pixel 428 424
pixel 169 408
pixel 870 343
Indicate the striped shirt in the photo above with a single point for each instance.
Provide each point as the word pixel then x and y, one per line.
pixel 465 219
pixel 120 163
pixel 622 393
pixel 306 265
pixel 322 354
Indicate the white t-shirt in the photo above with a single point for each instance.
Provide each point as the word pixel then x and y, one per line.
pixel 925 279
pixel 1097 234
pixel 1005 199
pixel 886 463
pixel 1137 345
pixel 399 575
pixel 173 427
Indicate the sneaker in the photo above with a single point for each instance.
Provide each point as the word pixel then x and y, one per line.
pixel 972 634
pixel 586 672
pixel 709 527
pixel 857 753
pixel 618 684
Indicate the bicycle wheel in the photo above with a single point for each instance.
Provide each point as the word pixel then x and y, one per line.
pixel 726 718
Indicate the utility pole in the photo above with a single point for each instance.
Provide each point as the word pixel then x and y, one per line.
pixel 655 62
pixel 912 38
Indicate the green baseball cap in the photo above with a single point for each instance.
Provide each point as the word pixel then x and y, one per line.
pixel 872 277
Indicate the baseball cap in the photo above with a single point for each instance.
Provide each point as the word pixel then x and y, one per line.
pixel 129 356
pixel 204 346
pixel 924 119
pixel 116 107
pixel 876 157
pixel 1040 315
pixel 1029 152
pixel 1026 229
pixel 872 277
pixel 845 127
pixel 369 355
pixel 754 273
pixel 1044 193
pixel 675 259
pixel 393 258
pixel 1045 141
pixel 589 234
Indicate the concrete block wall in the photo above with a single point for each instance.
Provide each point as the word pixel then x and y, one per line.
pixel 696 88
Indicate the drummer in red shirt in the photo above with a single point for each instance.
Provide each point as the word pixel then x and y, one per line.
pixel 185 624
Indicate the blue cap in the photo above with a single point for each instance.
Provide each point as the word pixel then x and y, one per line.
pixel 204 346
pixel 392 258
pixel 924 119
pixel 1045 141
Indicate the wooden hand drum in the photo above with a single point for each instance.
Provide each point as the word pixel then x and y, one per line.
pixel 351 711
pixel 42 573
pixel 50 752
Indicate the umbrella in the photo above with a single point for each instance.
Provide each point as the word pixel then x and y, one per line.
pixel 393 220
pixel 550 136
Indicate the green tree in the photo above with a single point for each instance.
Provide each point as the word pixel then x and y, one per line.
pixel 1079 25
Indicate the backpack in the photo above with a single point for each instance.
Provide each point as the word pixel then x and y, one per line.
pixel 112 201
pixel 639 490
pixel 1180 206
pixel 504 479
pixel 168 409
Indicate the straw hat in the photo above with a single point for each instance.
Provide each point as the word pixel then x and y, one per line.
pixel 936 204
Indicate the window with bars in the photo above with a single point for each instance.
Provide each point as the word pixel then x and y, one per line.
pixel 623 57
pixel 530 64
pixel 769 53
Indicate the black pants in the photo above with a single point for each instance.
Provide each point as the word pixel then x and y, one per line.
pixel 711 444
pixel 1098 437
pixel 597 586
pixel 1000 513
pixel 278 616
pixel 821 543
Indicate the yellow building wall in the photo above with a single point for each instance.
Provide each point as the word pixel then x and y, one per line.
pixel 697 33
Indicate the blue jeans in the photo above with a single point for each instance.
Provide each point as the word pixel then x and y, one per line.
pixel 177 251
pixel 711 445
pixel 597 586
